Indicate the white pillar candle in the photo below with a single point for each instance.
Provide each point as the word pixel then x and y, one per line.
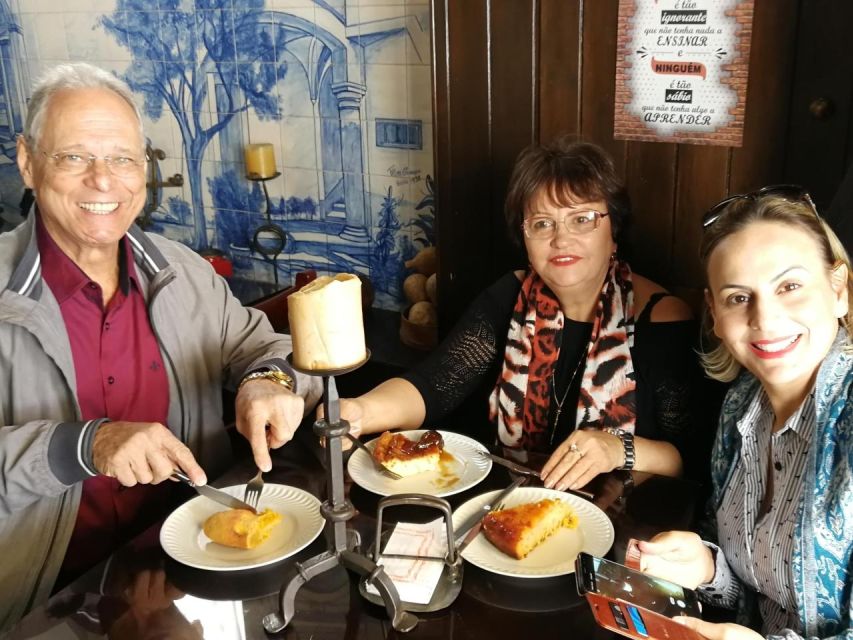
pixel 326 323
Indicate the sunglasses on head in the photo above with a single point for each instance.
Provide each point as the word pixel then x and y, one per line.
pixel 791 192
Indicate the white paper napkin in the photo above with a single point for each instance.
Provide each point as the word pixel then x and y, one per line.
pixel 415 580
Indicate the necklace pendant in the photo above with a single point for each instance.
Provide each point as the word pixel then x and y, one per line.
pixel 556 422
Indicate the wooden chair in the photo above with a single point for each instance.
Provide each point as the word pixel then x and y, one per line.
pixel 275 305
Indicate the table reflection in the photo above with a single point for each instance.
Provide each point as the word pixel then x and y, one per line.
pixel 141 593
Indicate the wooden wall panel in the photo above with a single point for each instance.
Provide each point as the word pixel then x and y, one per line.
pixel 513 118
pixel 559 68
pixel 598 74
pixel 702 180
pixel 650 173
pixel 761 159
pixel 461 41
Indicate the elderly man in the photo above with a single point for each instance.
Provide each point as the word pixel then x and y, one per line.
pixel 114 348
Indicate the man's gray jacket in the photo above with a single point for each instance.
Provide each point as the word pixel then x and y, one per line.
pixel 208 340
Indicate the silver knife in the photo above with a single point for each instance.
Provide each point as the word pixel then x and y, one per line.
pixel 475 518
pixel 527 471
pixel 475 530
pixel 514 466
pixel 214 494
pixel 469 537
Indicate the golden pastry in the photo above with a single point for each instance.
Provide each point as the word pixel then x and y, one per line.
pixel 519 530
pixel 240 528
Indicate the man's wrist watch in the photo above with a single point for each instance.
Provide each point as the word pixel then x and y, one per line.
pixel 280 377
pixel 627 439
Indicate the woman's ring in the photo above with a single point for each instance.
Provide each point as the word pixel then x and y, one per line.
pixel 574 448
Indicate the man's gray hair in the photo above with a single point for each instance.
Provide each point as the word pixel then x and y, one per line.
pixel 76 75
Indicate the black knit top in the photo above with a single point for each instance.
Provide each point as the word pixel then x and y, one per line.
pixel 468 362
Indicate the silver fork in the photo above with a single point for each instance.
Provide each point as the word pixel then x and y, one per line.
pixel 254 489
pixel 381 468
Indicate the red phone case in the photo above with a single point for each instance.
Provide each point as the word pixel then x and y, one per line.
pixel 658 626
pixel 633 554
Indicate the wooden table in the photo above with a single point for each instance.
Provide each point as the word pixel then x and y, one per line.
pixel 230 605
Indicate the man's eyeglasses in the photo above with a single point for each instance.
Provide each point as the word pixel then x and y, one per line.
pixel 578 223
pixel 79 162
pixel 791 192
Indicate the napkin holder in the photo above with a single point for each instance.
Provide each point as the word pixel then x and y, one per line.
pixel 336 510
pixel 450 583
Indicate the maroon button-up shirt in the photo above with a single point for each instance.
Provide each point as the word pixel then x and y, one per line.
pixel 120 375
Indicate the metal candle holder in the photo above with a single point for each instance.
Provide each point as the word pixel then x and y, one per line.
pixel 336 510
pixel 270 253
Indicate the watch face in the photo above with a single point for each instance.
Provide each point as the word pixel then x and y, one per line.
pixel 282 377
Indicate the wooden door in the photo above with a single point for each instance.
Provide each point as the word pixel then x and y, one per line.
pixel 820 131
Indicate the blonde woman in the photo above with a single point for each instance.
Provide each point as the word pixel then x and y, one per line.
pixel 778 295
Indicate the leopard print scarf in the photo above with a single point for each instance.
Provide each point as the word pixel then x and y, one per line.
pixel 521 400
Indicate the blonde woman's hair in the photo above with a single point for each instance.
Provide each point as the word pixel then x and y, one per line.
pixel 718 361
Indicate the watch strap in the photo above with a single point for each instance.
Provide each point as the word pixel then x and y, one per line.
pixel 282 378
pixel 630 451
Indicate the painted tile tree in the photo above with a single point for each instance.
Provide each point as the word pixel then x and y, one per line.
pixel 175 51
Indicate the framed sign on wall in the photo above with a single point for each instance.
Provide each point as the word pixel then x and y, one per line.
pixel 681 70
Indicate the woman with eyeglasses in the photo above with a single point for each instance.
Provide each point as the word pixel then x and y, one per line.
pixel 779 285
pixel 576 357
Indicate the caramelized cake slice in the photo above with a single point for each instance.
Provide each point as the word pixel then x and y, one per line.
pixel 519 530
pixel 408 457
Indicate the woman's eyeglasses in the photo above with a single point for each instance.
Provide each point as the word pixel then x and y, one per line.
pixel 578 223
pixel 791 192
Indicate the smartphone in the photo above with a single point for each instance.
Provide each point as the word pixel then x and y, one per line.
pixel 635 604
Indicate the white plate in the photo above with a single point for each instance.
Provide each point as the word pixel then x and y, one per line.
pixel 554 557
pixel 182 536
pixel 466 469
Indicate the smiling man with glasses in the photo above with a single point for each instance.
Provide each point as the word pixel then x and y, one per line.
pixel 114 348
pixel 86 203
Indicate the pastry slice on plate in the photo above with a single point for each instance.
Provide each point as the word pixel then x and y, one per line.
pixel 518 530
pixel 240 528
pixel 407 457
